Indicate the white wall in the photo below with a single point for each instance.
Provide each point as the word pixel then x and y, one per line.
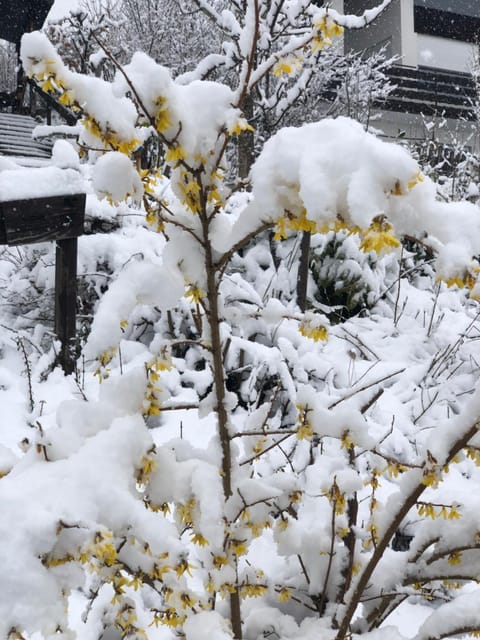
pixel 409 37
pixel 443 53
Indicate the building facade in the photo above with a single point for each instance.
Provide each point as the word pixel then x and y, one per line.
pixel 436 43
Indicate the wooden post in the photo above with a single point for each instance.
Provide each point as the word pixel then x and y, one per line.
pixel 58 218
pixel 66 300
pixel 303 265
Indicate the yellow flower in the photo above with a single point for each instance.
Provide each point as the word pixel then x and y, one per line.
pixel 305 431
pixel 426 509
pixel 283 524
pixel 158 570
pixel 125 146
pixel 227 588
pixel 185 511
pixel 295 497
pixel 302 223
pixel 347 442
pixel 49 85
pixel 379 236
pixel 281 68
pixel 169 618
pixel 240 126
pixel 284 594
pixel 194 294
pixel 163 120
pixel 253 590
pixel 280 229
pixel 328 27
pixel 219 561
pixel 287 65
pixel 315 333
pixel 175 154
pixel 455 558
pixel 394 468
pixel 183 567
pixel 197 538
pixel 454 514
pixel 147 466
pixel 466 279
pixel 324 30
pixel 154 408
pixel 187 601
pixel 259 445
pixel 417 178
pixel 319 43
pixel 66 98
pixel 238 547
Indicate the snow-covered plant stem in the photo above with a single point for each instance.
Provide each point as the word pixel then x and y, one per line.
pixel 431 464
pixel 218 367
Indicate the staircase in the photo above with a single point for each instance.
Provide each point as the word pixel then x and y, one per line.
pixel 16 139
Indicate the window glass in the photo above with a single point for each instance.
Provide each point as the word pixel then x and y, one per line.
pixel 462 7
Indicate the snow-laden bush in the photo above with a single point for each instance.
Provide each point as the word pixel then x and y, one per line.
pixel 245 467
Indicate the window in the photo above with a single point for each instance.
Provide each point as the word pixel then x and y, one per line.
pixel 454 19
pixel 462 7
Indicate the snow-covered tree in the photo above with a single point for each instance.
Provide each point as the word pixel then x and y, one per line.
pixel 317 477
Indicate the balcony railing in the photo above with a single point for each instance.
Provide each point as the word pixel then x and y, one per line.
pixel 433 92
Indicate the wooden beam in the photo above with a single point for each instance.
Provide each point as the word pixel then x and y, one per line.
pixel 66 301
pixel 43 219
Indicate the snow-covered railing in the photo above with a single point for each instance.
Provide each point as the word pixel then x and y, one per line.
pixel 432 92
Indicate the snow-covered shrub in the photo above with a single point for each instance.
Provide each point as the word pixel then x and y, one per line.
pixel 179 501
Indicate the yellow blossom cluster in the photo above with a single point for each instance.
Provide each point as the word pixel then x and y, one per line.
pixel 51 80
pixel 447 512
pixel 102 371
pixel 379 237
pixel 324 30
pixel 305 429
pixel 288 65
pixel 395 468
pixel 125 621
pixel 290 222
pixel 163 117
pixel 110 138
pixel 347 442
pixel 399 190
pixel 474 454
pixel 284 594
pixel 185 512
pixel 314 331
pixel 455 558
pixel 153 215
pixel 153 369
pixel 148 465
pixel 373 537
pixel 239 127
pixel 336 499
pixel 467 279
pixel 169 618
pixel 194 294
pixel 253 590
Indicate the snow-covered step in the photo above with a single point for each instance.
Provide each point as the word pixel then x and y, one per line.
pixel 16 137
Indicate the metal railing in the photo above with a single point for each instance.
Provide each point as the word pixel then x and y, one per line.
pixel 432 92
